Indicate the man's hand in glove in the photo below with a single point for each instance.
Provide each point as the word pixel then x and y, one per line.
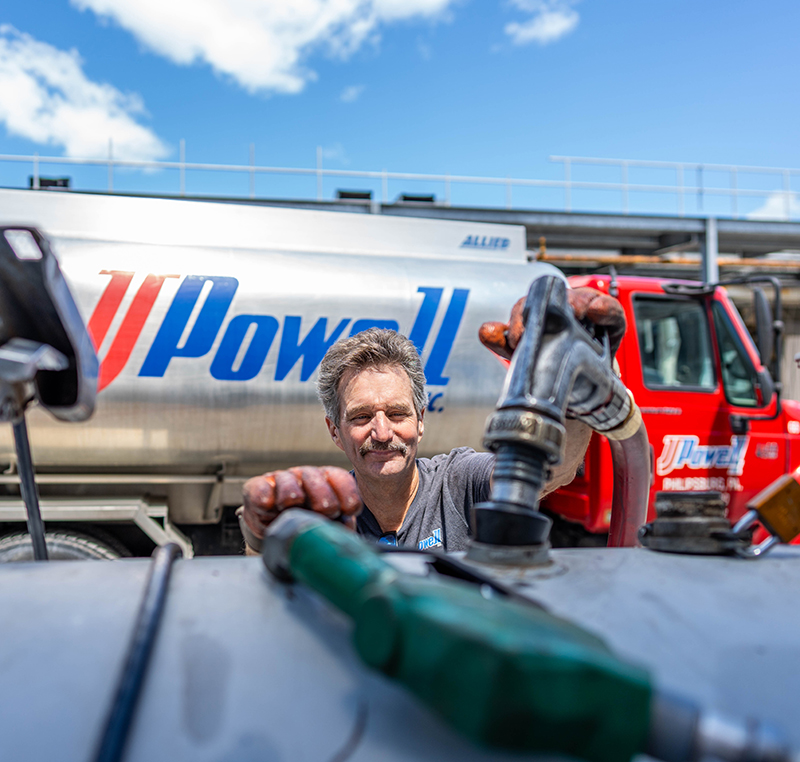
pixel 588 304
pixel 327 490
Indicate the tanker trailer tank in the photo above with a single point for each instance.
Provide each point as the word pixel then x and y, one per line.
pixel 210 320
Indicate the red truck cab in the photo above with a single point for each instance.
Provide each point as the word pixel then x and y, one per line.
pixel 708 402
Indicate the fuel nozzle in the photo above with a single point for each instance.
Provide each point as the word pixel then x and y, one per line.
pixel 507 675
pixel 680 732
pixel 557 366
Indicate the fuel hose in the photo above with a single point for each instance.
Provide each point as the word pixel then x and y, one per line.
pixel 118 722
pixel 630 456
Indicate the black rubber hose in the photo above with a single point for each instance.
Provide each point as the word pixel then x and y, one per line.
pixel 631 462
pixel 30 493
pixel 115 732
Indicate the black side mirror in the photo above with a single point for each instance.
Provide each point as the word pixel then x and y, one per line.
pixel 764 326
pixel 766 385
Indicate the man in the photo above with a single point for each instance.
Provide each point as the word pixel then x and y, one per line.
pixel 372 387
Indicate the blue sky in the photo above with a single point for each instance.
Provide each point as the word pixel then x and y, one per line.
pixel 465 87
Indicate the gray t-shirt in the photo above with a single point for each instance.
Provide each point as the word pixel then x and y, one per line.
pixel 449 485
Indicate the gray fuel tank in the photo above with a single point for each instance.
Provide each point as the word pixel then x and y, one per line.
pixel 247 668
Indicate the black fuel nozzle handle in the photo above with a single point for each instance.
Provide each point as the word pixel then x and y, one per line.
pixel 558 369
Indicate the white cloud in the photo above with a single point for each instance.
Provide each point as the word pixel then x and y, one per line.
pixel 45 97
pixel 261 44
pixel 550 21
pixel 776 207
pixel 336 154
pixel 351 93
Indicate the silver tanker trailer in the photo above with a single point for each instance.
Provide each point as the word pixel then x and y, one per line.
pixel 210 320
pixel 329 649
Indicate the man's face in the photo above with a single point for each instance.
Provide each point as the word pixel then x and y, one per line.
pixel 379 429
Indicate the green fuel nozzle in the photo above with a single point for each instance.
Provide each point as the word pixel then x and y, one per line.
pixel 503 673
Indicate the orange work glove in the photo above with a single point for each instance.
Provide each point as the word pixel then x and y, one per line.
pixel 588 304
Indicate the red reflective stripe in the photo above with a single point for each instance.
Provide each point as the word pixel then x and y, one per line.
pixel 108 305
pixel 130 329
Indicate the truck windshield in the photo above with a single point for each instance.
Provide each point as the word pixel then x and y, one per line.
pixel 675 343
pixel 738 374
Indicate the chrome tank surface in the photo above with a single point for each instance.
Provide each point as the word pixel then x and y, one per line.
pixel 211 319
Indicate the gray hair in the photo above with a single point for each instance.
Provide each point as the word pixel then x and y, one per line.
pixel 373 348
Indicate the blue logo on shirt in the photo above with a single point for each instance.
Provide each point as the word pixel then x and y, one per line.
pixel 434 541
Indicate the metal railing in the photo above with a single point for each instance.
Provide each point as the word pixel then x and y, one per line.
pixel 699 190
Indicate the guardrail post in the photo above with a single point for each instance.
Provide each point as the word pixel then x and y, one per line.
pixel 700 188
pixel 36 171
pixel 110 165
pixel 319 173
pixel 252 170
pixel 508 193
pixel 385 186
pixel 183 167
pixel 787 194
pixel 624 187
pixel 447 190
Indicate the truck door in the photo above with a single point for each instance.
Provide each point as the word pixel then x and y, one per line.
pixel 669 363
pixel 764 458
pixel 673 373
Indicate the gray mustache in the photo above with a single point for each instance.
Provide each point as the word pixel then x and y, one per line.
pixel 370 444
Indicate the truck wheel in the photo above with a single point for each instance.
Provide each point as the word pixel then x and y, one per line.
pixel 61 546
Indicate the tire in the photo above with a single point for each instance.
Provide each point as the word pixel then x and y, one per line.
pixel 61 546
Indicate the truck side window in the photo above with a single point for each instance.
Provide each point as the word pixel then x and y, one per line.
pixel 738 374
pixel 675 343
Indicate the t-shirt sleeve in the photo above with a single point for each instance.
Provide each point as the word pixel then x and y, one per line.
pixel 470 474
pixel 482 475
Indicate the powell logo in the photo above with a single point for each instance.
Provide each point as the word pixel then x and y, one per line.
pixel 247 339
pixel 686 451
pixel 434 541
